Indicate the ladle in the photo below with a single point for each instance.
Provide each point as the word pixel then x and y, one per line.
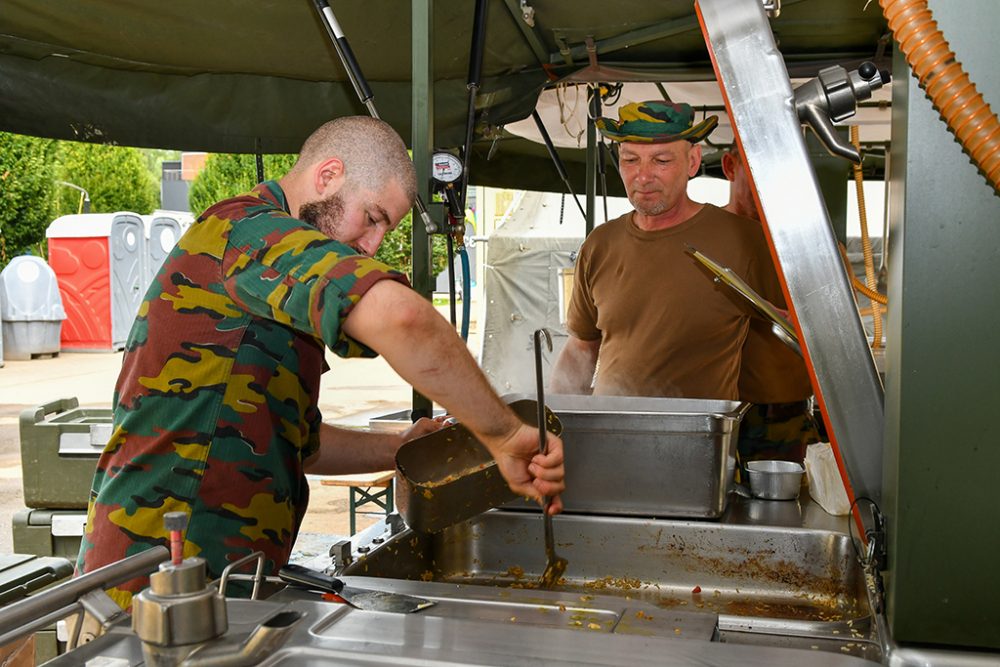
pixel 555 566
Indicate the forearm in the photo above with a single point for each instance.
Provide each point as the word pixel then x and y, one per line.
pixel 573 372
pixel 348 451
pixel 425 350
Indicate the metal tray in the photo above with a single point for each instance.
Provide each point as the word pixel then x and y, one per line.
pixel 446 477
pixel 653 457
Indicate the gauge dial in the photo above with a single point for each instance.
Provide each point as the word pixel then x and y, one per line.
pixel 446 167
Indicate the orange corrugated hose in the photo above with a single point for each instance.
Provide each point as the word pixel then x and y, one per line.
pixel 866 242
pixel 947 85
pixel 877 297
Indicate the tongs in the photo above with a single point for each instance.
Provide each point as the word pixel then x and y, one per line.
pixel 780 326
pixel 554 564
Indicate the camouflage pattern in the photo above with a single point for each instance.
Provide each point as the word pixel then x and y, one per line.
pixel 656 122
pixel 216 405
pixel 779 431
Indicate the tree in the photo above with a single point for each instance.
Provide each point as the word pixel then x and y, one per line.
pixel 397 249
pixel 227 175
pixel 116 177
pixel 26 193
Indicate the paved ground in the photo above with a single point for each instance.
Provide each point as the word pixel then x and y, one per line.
pixel 352 392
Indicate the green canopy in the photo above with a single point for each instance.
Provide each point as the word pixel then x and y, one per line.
pixel 227 76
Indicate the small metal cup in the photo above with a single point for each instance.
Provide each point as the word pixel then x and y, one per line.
pixel 775 480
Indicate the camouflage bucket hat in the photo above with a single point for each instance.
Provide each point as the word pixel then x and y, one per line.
pixel 656 122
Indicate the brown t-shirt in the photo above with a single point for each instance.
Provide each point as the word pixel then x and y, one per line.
pixel 771 372
pixel 666 328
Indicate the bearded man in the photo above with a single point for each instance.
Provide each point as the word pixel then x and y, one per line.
pixel 216 406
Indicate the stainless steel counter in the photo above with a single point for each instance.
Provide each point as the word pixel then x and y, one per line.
pixel 771 583
pixel 336 635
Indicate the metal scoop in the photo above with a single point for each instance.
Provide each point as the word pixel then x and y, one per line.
pixel 361 598
pixel 554 564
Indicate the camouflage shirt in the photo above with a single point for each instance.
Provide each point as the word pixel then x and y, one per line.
pixel 216 405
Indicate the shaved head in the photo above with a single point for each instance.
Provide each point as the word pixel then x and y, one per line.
pixel 372 152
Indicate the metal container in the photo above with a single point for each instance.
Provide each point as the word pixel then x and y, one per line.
pixel 775 480
pixel 793 580
pixel 60 445
pixel 447 476
pixel 652 457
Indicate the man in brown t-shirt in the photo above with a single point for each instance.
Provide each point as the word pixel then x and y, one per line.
pixel 774 378
pixel 641 303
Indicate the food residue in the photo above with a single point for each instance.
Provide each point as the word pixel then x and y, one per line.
pixel 623 583
pixel 696 590
pixel 427 575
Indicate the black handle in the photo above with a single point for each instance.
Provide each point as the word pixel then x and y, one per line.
pixel 303 576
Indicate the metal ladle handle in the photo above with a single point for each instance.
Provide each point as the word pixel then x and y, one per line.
pixel 540 388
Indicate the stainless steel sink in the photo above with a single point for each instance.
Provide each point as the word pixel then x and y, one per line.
pixel 800 583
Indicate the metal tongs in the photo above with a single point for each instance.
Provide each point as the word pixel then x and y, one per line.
pixel 554 564
pixel 780 326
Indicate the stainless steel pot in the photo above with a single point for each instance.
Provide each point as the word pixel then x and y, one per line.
pixel 775 480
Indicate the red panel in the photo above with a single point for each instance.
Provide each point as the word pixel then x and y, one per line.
pixel 83 269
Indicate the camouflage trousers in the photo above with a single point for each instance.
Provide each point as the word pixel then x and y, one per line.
pixel 775 431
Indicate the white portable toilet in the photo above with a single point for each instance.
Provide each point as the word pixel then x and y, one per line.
pixel 184 218
pixel 31 308
pixel 162 234
pixel 98 259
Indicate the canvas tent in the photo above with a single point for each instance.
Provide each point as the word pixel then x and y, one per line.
pixel 225 76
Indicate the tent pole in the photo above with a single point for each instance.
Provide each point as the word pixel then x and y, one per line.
pixel 422 144
pixel 556 160
pixel 594 104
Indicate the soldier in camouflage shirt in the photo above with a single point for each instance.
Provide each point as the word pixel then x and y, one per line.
pixel 216 406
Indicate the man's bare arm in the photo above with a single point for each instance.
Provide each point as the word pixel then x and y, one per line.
pixel 345 451
pixel 573 372
pixel 424 349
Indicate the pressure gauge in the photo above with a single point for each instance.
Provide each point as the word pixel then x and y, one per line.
pixel 445 167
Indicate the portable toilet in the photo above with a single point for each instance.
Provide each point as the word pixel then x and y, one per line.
pixel 31 308
pixel 98 260
pixel 162 234
pixel 184 218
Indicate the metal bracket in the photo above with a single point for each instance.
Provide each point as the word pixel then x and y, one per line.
pixel 528 13
pixel 340 552
pixel 395 523
pixel 875 535
pixel 99 604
